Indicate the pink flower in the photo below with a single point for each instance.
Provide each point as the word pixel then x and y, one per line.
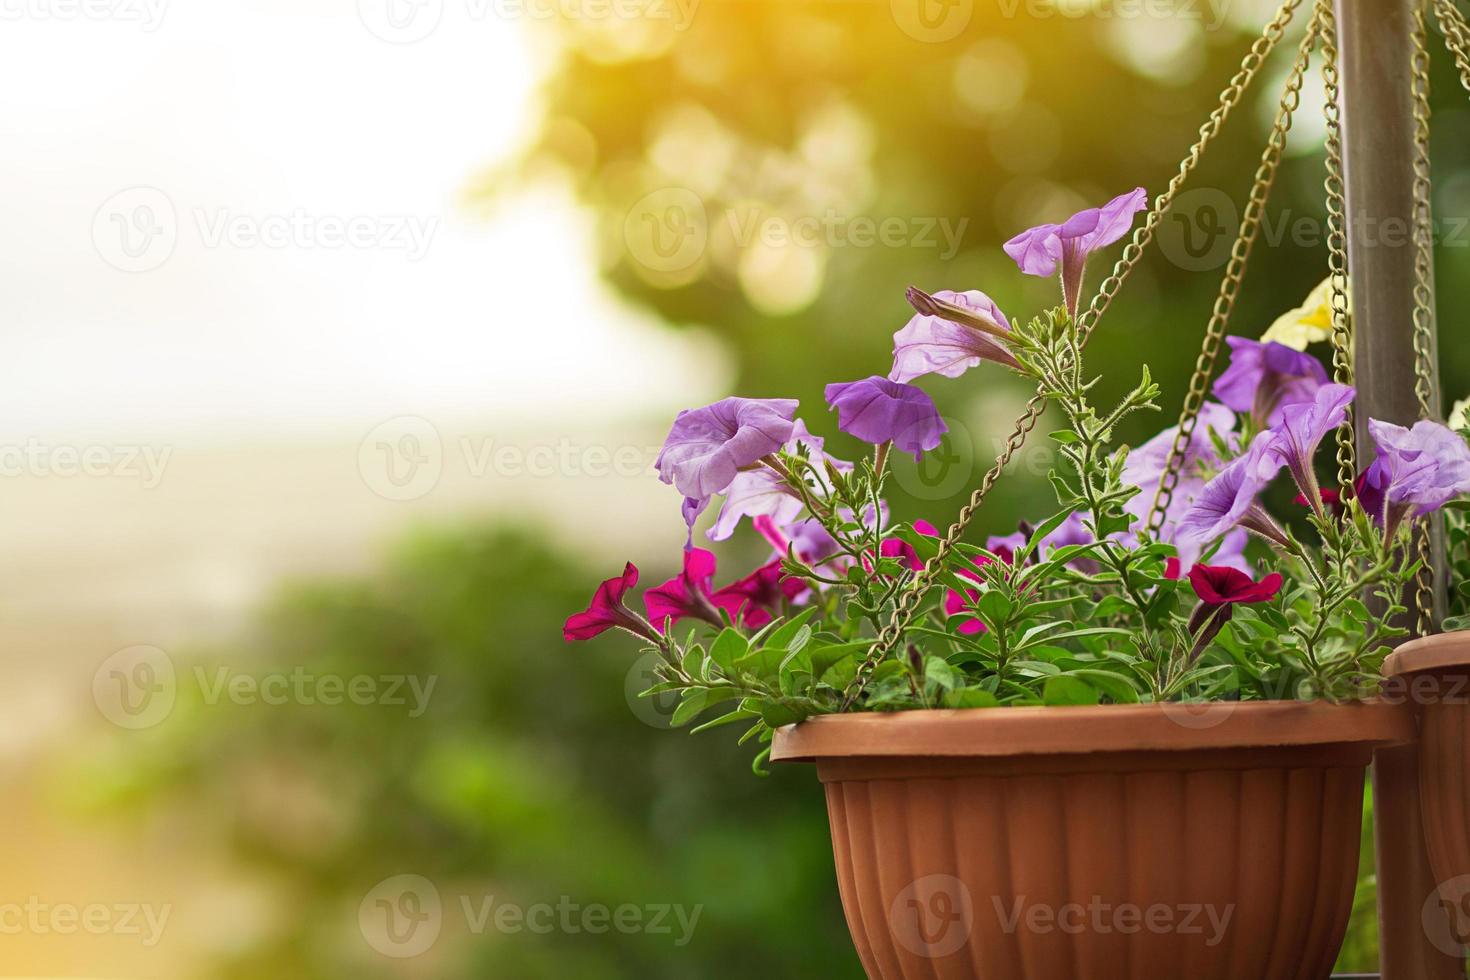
pixel 685 595
pixel 607 610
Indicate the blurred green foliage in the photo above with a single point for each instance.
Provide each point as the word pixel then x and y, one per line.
pixel 529 778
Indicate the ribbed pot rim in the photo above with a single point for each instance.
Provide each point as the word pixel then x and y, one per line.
pixel 1429 653
pixel 1003 732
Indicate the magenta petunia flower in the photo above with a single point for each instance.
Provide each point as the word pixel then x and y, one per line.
pixel 707 446
pixel 1294 440
pixel 1264 378
pixel 958 603
pixel 607 610
pixel 1417 471
pixel 753 599
pixel 686 595
pixel 1230 499
pixel 899 548
pixel 1040 251
pixel 877 410
pixel 951 333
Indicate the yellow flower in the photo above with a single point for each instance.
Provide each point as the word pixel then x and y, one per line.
pixel 1460 414
pixel 1307 324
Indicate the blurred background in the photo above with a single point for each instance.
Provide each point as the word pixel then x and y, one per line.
pixel 340 338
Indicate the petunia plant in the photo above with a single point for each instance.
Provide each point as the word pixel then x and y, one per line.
pixel 1100 601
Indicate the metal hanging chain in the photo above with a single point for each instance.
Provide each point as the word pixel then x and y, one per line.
pixel 1342 338
pixel 908 604
pixel 1245 240
pixel 1424 345
pixel 1456 35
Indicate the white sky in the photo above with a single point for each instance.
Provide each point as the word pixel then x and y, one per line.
pixel 241 109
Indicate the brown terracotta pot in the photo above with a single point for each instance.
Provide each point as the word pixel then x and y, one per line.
pixel 1433 674
pixel 1155 842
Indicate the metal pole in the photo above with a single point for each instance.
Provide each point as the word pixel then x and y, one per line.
pixel 1376 42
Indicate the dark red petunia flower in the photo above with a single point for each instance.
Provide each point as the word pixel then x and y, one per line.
pixel 607 610
pixel 1173 569
pixel 1220 585
pixel 1220 590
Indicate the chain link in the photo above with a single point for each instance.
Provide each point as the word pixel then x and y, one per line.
pixel 1424 345
pixel 1342 341
pixel 1245 240
pixel 1456 35
pixel 1087 322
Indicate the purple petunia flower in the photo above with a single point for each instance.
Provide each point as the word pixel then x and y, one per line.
pixel 1293 441
pixel 1146 464
pixel 708 446
pixel 1230 499
pixel 877 410
pixel 951 333
pixel 1041 250
pixel 1263 379
pixel 1417 471
pixel 763 492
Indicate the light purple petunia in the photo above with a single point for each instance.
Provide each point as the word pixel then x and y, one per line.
pixel 1293 441
pixel 1230 500
pixel 877 410
pixel 1146 464
pixel 1041 250
pixel 932 343
pixel 1417 471
pixel 1263 379
pixel 708 446
pixel 763 492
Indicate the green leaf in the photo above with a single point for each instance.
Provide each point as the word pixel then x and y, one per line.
pixel 994 608
pixel 782 637
pixel 969 697
pixel 1115 686
pixel 1064 436
pixel 728 647
pixel 694 701
pixel 1064 690
pixel 776 715
pixel 739 714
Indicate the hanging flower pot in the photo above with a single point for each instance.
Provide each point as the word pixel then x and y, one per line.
pixel 1161 841
pixel 1433 675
